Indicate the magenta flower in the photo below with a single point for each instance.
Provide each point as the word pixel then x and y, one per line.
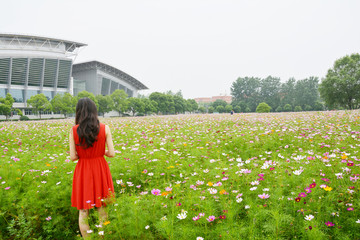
pixel 48 218
pixel 302 194
pixel 329 224
pixel 350 209
pixel 264 196
pixel 196 218
pixel 7 188
pixel 211 218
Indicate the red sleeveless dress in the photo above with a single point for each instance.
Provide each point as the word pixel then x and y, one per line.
pixel 92 182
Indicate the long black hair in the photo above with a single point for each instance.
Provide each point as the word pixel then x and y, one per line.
pixel 89 125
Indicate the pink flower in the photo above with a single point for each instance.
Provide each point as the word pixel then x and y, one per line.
pixel 329 224
pixel 48 218
pixel 144 171
pixel 156 192
pixel 211 218
pixel 350 209
pixel 264 196
pixel 7 188
pixel 168 189
pixel 88 201
pixel 196 218
pixel 302 194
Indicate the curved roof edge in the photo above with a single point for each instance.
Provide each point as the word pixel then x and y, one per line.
pixel 110 70
pixel 25 36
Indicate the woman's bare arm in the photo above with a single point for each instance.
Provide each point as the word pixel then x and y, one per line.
pixel 73 153
pixel 110 152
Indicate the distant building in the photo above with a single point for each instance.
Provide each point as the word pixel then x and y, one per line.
pixel 30 65
pixel 100 78
pixel 227 99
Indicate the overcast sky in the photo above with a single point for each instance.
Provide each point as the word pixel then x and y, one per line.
pixel 197 46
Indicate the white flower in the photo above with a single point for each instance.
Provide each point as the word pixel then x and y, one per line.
pixel 147 227
pixel 212 190
pixel 297 172
pixel 358 221
pixel 58 183
pixel 89 231
pixel 163 218
pixel 247 206
pixel 206 171
pixel 309 217
pixel 119 181
pixel 255 183
pixel 199 238
pixel 253 188
pixel 101 233
pixel 181 216
pixel 266 189
pixel 151 174
pixel 239 200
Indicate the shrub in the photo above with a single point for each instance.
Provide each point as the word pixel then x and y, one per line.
pixel 298 109
pixel 220 109
pixel 237 109
pixel 279 109
pixel 211 109
pixel 24 118
pixel 308 108
pixel 247 109
pixel 263 108
pixel 287 108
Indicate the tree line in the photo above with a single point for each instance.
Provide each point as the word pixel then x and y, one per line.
pixel 340 89
pixel 156 103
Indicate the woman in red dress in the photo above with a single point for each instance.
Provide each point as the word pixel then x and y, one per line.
pixel 92 182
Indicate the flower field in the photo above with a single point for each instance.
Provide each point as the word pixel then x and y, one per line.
pixel 245 176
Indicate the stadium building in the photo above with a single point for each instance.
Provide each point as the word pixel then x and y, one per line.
pixel 30 65
pixel 100 78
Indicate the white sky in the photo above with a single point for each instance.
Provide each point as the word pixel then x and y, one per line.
pixel 198 46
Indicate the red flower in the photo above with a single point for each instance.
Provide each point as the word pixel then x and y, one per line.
pixel 312 185
pixel 298 199
pixel 329 224
pixel 222 217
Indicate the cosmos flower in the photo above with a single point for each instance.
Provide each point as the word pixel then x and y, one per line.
pixel 309 217
pixel 156 192
pixel 329 224
pixel 210 218
pixel 264 196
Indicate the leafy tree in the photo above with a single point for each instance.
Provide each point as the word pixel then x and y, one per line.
pixel 237 109
pixel 287 92
pixel 247 90
pixel 136 106
pixel 219 102
pixel 220 109
pixel 105 103
pixel 210 109
pixel 119 98
pixel 341 86
pixel 278 109
pixel 6 105
pixel 87 94
pixel 228 108
pixel 318 106
pixel 306 92
pixel 263 108
pixel 64 103
pixel 287 108
pixel 202 109
pixel 39 103
pixel 297 109
pixel 269 91
pixel 149 106
pixel 308 108
pixel 160 100
pixel 192 105
pixel 179 103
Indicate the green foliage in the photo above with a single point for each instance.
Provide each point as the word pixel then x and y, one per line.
pixel 219 102
pixel 341 87
pixel 297 109
pixel 64 103
pixel 279 109
pixel 119 98
pixel 228 108
pixel 192 105
pixel 263 108
pixel 211 109
pixel 237 109
pixel 39 103
pixel 24 118
pixel 308 108
pixel 319 106
pixel 287 108
pixel 220 109
pixel 136 106
pixel 202 109
pixel 6 105
pixel 105 103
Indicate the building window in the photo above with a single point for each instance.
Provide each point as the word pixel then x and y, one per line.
pixel 18 72
pixel 129 92
pixel 79 86
pixel 64 74
pixel 28 111
pixel 122 87
pixel 3 92
pixel 30 93
pixel 35 71
pixel 17 94
pixel 4 70
pixel 50 72
pixel 113 86
pixel 49 95
pixel 45 112
pixel 105 85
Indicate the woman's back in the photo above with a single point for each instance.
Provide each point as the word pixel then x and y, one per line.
pixel 98 148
